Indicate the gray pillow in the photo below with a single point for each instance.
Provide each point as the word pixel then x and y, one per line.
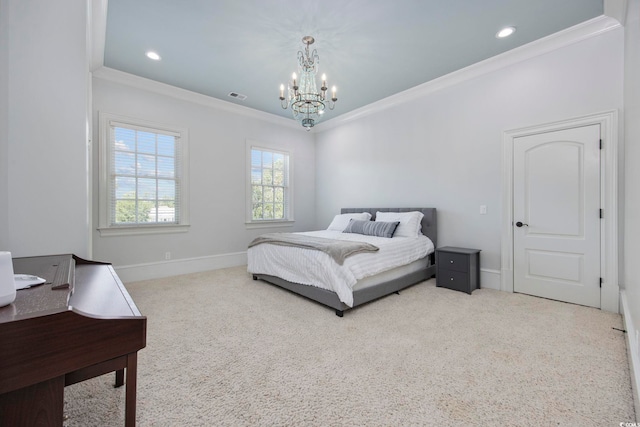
pixel 372 228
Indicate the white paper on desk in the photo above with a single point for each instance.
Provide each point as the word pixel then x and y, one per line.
pixel 24 281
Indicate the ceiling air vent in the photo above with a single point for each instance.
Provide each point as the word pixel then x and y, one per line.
pixel 238 96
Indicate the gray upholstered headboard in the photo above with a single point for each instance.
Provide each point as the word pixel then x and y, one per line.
pixel 429 223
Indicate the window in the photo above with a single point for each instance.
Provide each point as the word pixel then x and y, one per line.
pixel 269 192
pixel 142 179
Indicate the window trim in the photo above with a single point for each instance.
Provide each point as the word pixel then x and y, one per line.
pixel 289 220
pixel 104 183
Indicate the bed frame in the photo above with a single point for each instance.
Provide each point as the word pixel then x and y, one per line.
pixel 362 296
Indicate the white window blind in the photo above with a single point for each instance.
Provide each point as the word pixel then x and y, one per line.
pixel 144 182
pixel 270 189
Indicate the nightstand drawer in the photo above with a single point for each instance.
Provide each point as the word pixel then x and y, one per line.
pixel 453 261
pixel 452 279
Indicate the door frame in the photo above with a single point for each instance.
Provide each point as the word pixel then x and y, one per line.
pixel 608 121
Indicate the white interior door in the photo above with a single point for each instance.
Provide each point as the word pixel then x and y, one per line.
pixel 556 212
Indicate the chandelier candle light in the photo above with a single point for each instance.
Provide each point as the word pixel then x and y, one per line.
pixel 307 104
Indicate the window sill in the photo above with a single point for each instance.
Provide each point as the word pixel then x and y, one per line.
pixel 269 224
pixel 144 229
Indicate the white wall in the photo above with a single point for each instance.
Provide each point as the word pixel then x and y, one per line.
pixel 217 141
pixel 631 275
pixel 444 149
pixel 43 141
pixel 4 124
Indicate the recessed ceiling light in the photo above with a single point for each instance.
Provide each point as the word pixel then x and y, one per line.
pixel 505 32
pixel 152 55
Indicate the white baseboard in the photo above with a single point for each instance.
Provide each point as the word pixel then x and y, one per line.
pixel 490 279
pixel 633 351
pixel 156 270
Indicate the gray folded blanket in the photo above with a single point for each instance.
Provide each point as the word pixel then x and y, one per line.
pixel 336 249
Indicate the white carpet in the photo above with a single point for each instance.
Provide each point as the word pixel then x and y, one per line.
pixel 224 350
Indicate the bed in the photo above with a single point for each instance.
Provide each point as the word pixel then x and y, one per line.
pixel 365 289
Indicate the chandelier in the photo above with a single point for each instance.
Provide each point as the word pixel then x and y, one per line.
pixel 307 104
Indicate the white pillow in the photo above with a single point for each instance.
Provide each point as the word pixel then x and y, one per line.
pixel 410 222
pixel 340 222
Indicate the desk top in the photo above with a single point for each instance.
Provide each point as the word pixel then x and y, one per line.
pixel 72 283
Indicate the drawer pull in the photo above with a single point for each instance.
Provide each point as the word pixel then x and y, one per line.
pixel 451 261
pixel 451 279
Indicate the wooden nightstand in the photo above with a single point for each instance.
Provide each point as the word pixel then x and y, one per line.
pixel 458 268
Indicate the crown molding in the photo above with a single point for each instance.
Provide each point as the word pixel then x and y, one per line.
pixel 577 33
pixel 116 76
pixel 616 9
pixel 98 31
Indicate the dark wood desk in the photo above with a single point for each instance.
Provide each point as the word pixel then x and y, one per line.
pixel 80 324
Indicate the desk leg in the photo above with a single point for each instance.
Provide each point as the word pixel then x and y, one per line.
pixel 119 378
pixel 130 399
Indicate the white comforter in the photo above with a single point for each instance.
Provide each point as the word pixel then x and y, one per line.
pixel 316 268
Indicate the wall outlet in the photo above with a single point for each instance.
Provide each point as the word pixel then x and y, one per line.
pixel 483 209
pixel 167 255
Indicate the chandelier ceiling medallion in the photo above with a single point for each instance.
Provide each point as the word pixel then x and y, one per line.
pixel 307 104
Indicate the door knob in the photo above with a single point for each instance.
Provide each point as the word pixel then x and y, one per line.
pixel 520 224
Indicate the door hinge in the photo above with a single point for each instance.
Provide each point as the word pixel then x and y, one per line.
pixel 601 213
pixel 601 144
pixel 601 282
